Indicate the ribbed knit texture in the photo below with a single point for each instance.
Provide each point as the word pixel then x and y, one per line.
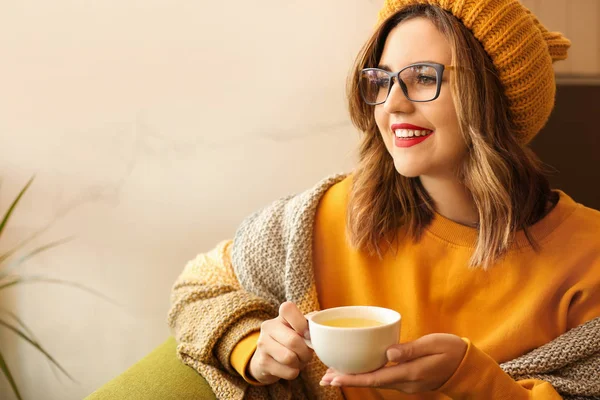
pixel 521 48
pixel 224 295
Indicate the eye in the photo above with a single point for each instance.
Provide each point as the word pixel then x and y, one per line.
pixel 426 79
pixel 381 82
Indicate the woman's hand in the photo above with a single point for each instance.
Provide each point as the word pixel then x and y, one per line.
pixel 281 351
pixel 422 365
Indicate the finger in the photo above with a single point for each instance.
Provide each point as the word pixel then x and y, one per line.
pixel 371 379
pixel 290 314
pixel 385 377
pixel 270 366
pixel 291 340
pixel 423 346
pixel 281 354
pixel 328 377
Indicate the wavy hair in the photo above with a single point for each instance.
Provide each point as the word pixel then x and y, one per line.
pixel 504 177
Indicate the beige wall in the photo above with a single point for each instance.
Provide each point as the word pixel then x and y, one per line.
pixel 159 125
pixel 153 128
pixel 579 20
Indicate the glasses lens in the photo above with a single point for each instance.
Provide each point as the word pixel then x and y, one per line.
pixel 421 82
pixel 374 85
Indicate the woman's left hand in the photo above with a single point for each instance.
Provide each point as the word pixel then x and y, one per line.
pixel 422 365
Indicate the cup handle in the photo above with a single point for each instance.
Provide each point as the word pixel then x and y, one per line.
pixel 308 341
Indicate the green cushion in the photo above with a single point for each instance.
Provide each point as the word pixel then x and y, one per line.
pixel 159 375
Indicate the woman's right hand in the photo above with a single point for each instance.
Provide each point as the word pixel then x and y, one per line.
pixel 281 351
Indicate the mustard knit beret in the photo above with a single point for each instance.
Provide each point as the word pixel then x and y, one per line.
pixel 521 48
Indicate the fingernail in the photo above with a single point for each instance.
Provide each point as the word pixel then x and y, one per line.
pixel 307 334
pixel 393 354
pixel 323 383
pixel 335 383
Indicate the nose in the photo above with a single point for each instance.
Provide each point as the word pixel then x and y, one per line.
pixel 397 101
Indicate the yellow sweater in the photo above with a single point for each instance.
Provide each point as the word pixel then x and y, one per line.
pixel 521 303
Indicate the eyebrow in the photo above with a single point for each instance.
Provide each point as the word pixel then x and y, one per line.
pixel 383 66
pixel 387 68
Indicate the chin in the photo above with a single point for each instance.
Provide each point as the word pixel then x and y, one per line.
pixel 407 170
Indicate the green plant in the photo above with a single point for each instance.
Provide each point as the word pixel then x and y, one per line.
pixel 9 261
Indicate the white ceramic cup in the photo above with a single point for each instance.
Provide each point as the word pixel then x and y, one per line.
pixel 353 350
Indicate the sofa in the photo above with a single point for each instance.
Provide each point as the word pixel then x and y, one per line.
pixel 158 376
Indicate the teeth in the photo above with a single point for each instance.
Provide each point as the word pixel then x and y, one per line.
pixel 406 133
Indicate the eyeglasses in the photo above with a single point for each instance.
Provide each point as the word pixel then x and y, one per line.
pixel 420 82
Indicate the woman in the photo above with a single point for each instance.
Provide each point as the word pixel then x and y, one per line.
pixel 447 219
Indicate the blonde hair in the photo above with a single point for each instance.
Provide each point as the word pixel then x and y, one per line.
pixel 504 177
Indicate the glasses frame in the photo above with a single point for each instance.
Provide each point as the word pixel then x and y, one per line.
pixel 439 69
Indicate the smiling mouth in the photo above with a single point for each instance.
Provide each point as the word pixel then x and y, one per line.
pixel 404 138
pixel 408 134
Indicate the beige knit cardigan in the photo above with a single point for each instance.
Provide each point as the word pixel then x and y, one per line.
pixel 226 294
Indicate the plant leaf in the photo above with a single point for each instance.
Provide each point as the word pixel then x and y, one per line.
pixel 20 245
pixel 35 252
pixel 9 377
pixel 30 279
pixel 12 280
pixel 20 322
pixel 36 345
pixel 30 333
pixel 13 205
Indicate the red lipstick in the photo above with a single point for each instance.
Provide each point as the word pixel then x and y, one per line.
pixel 409 141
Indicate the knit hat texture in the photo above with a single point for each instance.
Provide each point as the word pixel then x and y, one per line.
pixel 520 47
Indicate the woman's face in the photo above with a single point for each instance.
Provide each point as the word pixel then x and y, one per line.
pixel 412 41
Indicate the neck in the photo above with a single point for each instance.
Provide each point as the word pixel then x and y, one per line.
pixel 451 199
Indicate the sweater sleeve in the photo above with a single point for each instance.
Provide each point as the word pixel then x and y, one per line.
pixel 242 354
pixel 210 314
pixel 480 377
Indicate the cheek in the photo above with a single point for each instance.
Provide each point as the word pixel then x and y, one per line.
pixel 380 117
pixel 446 112
pixel 447 119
